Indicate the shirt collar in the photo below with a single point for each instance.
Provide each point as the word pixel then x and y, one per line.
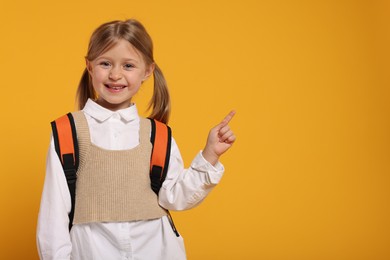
pixel 100 113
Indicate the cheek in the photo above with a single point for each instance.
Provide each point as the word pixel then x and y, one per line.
pixel 134 80
pixel 99 75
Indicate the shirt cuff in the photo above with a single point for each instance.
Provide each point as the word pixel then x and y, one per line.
pixel 214 172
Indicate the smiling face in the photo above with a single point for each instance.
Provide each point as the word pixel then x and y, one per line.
pixel 117 75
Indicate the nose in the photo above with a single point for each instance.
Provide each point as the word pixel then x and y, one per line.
pixel 115 74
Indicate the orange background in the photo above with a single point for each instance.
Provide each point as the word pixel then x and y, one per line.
pixel 308 177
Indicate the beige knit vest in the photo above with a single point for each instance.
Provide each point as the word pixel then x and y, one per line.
pixel 114 185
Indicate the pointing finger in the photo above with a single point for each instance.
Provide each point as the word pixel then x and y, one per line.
pixel 227 119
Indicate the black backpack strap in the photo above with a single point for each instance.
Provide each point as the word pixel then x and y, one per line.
pixel 66 146
pixel 160 137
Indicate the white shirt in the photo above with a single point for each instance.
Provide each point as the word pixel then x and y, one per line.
pixel 144 240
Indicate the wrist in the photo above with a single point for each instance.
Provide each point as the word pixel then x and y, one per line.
pixel 209 156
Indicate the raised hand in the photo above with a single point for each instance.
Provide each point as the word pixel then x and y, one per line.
pixel 220 139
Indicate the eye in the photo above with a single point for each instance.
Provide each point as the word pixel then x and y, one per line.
pixel 128 66
pixel 104 64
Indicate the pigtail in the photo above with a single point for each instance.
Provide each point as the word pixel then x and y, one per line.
pixel 84 90
pixel 160 102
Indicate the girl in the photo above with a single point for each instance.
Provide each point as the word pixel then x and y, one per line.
pixel 119 60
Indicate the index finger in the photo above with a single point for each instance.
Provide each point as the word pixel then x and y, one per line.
pixel 227 118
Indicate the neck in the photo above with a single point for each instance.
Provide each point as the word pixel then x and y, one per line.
pixel 114 107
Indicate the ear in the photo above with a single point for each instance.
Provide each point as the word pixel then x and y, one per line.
pixel 149 71
pixel 88 65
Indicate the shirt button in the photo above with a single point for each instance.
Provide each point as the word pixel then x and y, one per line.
pixel 115 116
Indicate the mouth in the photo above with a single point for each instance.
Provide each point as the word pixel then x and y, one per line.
pixel 115 87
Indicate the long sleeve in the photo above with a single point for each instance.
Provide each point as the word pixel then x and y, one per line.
pixel 52 230
pixel 185 188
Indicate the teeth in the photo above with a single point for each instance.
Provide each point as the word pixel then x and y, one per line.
pixel 116 87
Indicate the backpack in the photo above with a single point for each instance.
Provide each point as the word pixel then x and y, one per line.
pixel 66 146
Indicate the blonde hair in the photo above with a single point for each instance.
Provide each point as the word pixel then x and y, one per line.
pixel 104 38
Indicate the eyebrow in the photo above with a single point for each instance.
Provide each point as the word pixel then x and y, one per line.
pixel 126 59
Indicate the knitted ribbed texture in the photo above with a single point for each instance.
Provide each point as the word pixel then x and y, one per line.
pixel 114 185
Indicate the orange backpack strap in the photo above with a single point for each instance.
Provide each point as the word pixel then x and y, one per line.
pixel 66 146
pixel 160 138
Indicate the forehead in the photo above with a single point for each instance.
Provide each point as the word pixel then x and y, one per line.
pixel 122 49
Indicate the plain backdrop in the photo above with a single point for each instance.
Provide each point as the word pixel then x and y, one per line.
pixel 308 177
